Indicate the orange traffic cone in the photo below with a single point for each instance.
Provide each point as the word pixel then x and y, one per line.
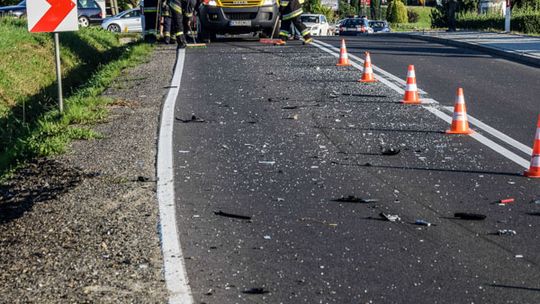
pixel 367 75
pixel 460 124
pixel 343 56
pixel 411 91
pixel 534 169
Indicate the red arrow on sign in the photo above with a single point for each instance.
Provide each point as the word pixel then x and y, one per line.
pixel 54 16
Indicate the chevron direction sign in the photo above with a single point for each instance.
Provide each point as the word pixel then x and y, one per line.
pixel 52 15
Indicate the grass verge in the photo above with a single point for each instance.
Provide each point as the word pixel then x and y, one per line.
pixel 30 124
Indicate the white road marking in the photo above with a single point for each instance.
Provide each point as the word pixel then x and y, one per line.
pixel 507 139
pixel 484 140
pixel 379 71
pixel 175 273
pixel 480 138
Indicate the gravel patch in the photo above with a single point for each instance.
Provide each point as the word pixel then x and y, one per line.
pixel 82 227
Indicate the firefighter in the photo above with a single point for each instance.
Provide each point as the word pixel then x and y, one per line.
pixel 167 21
pixel 290 13
pixel 177 15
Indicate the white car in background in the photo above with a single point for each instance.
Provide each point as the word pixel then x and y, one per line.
pixel 126 22
pixel 317 24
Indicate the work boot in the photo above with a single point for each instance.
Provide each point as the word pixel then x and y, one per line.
pixel 167 40
pixel 181 42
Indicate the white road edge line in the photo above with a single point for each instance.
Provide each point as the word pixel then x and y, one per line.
pixel 173 258
pixel 480 138
pixel 375 68
pixel 509 140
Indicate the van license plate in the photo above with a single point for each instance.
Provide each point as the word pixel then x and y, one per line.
pixel 240 23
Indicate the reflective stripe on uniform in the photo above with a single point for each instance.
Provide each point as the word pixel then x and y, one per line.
pixel 189 15
pixel 179 34
pixel 284 3
pixel 175 7
pixel 292 15
pixel 284 33
pixel 150 9
pixel 167 34
pixel 305 32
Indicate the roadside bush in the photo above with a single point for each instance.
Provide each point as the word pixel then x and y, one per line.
pixel 345 10
pixel 438 16
pixel 397 12
pixel 412 16
pixel 523 20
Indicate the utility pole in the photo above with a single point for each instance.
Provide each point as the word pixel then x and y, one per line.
pixel 507 14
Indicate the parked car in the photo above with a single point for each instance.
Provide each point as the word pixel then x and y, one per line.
pixel 354 27
pixel 18 10
pixel 335 27
pixel 317 24
pixel 88 11
pixel 379 26
pixel 126 21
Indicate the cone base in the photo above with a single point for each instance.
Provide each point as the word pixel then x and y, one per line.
pixel 367 80
pixel 411 102
pixel 343 64
pixel 531 174
pixel 466 132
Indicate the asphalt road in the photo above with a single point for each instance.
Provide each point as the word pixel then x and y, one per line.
pixel 281 132
pixel 499 92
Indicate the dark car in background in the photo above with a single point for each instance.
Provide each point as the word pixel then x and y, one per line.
pixel 354 26
pixel 18 10
pixel 89 12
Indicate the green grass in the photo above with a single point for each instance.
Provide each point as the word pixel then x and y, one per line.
pixel 424 20
pixel 30 124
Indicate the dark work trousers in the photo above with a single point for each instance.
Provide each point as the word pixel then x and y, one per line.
pixel 167 26
pixel 290 13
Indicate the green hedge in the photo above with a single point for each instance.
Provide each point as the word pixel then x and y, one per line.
pixel 525 21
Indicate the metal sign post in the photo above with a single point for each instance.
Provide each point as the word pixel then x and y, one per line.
pixel 53 16
pixel 58 72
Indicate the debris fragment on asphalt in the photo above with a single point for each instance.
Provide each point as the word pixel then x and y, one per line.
pixel 423 223
pixel 267 162
pixel 292 117
pixel 506 201
pixel 390 151
pixel 290 107
pixel 390 217
pixel 506 232
pixel 519 256
pixel 256 291
pixel 267 237
pixel 470 216
pixel 535 201
pixel 232 215
pixel 354 199
pixel 192 119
